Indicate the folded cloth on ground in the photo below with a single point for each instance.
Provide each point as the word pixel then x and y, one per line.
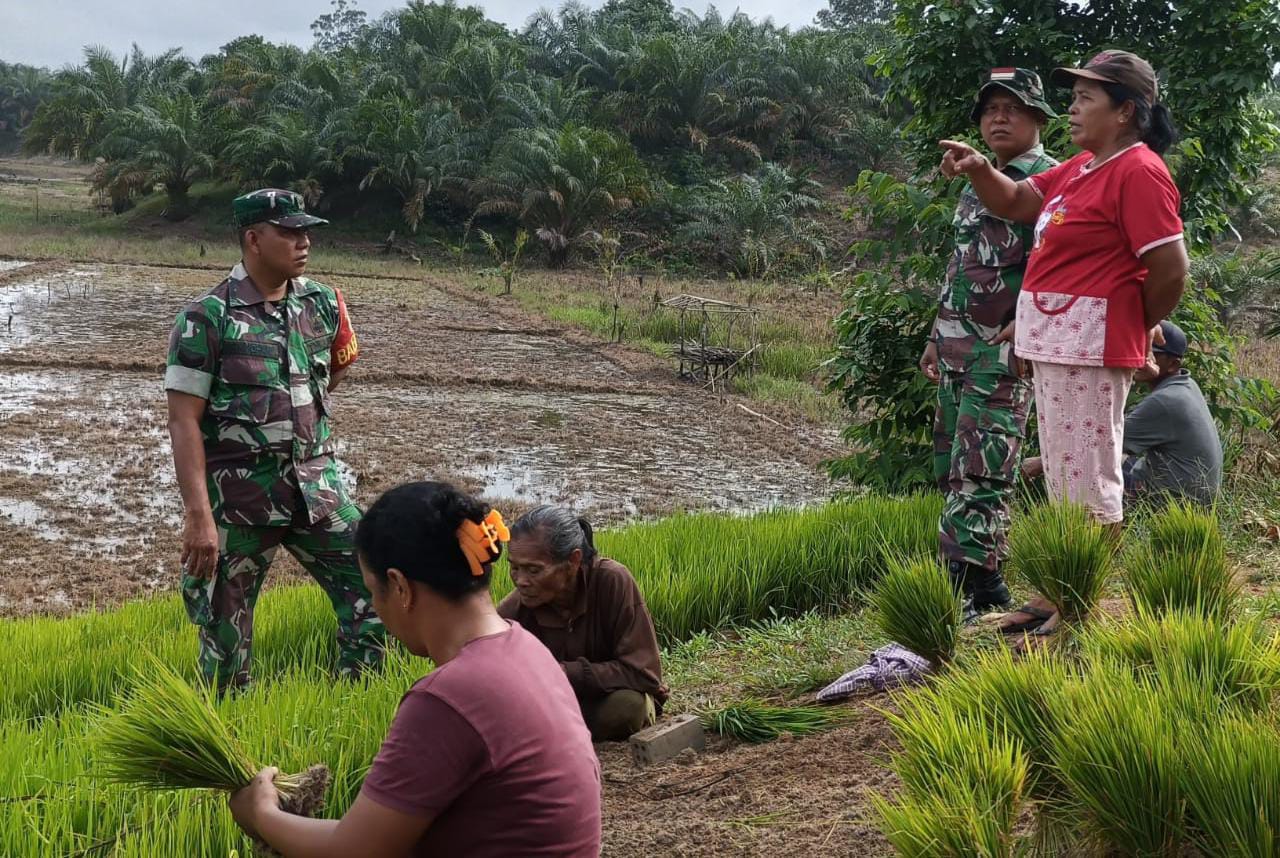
pixel 887 667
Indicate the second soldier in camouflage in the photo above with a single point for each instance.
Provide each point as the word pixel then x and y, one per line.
pixel 250 367
pixel 983 401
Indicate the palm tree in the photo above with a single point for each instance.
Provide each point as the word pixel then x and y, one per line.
pixel 417 151
pixel 164 140
pixel 562 185
pixel 22 90
pixel 283 150
pixel 750 223
pixel 73 121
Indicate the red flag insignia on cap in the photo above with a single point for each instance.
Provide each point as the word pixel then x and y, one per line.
pixel 1003 74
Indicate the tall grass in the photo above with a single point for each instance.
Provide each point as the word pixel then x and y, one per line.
pixel 1060 551
pixel 1183 566
pixel 916 606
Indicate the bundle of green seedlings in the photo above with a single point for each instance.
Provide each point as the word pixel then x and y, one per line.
pixel 755 721
pixel 1063 554
pixel 1182 566
pixel 169 737
pixel 916 606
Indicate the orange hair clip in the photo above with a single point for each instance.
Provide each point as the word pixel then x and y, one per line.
pixel 481 542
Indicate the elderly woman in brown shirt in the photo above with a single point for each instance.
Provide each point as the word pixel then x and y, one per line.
pixel 589 612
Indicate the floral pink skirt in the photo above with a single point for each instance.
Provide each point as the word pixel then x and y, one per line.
pixel 1080 413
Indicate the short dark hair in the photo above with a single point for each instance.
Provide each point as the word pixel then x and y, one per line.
pixel 414 528
pixel 560 530
pixel 1154 124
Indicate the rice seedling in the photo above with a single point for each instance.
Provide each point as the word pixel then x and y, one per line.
pixel 917 607
pixel 168 737
pixel 1194 658
pixel 962 787
pixel 1060 551
pixel 1231 779
pixel 755 721
pixel 1183 566
pixel 1116 749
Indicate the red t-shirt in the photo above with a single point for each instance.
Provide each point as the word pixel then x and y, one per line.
pixel 493 743
pixel 1081 298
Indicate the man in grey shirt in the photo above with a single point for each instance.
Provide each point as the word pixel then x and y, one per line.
pixel 1171 443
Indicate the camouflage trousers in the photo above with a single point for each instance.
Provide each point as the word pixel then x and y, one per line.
pixel 978 429
pixel 222 606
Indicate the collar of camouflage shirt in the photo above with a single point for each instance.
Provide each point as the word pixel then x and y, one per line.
pixel 244 292
pixel 1027 158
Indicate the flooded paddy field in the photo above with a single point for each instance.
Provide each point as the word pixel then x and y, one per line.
pixel 451 384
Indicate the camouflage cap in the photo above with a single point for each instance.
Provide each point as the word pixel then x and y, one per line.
pixel 1024 83
pixel 1128 70
pixel 274 206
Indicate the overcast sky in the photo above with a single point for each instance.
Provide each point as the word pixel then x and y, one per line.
pixel 53 32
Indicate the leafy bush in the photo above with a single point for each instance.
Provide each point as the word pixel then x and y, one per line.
pixel 881 333
pixel 1062 553
pixel 917 607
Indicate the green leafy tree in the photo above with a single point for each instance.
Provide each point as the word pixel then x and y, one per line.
pixel 751 223
pixel 561 185
pixel 22 90
pixel 340 29
pixel 283 150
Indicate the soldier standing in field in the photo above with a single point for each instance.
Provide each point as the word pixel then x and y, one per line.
pixel 250 368
pixel 983 397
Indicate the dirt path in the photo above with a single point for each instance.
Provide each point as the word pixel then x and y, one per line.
pixel 451 384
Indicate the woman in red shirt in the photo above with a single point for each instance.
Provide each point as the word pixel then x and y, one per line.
pixel 488 754
pixel 1107 266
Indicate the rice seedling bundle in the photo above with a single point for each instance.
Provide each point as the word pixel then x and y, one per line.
pixel 1231 779
pixel 962 786
pixel 917 607
pixel 168 737
pixel 1183 566
pixel 1117 751
pixel 1061 552
pixel 756 721
pixel 1198 661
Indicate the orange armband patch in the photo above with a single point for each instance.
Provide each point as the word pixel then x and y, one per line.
pixel 346 348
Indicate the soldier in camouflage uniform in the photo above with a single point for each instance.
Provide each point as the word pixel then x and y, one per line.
pixel 251 364
pixel 982 398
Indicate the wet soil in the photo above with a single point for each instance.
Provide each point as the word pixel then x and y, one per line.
pixel 451 384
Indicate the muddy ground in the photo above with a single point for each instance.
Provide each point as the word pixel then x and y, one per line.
pixel 451 384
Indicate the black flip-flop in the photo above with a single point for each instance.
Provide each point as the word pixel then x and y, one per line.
pixel 1039 616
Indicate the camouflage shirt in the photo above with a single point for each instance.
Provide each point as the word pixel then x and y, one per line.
pixel 980 295
pixel 263 367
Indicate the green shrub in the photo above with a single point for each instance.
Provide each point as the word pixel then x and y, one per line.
pixel 1183 566
pixel 1060 551
pixel 917 607
pixel 1231 779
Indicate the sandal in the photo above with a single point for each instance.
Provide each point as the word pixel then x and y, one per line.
pixel 1039 616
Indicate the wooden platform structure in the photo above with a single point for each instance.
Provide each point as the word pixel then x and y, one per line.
pixel 717 339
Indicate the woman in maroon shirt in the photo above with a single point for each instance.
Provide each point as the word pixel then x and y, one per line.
pixel 1108 265
pixel 487 755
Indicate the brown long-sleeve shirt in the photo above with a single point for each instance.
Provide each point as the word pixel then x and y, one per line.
pixel 607 643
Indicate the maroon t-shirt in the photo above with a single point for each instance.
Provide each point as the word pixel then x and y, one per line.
pixel 493 744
